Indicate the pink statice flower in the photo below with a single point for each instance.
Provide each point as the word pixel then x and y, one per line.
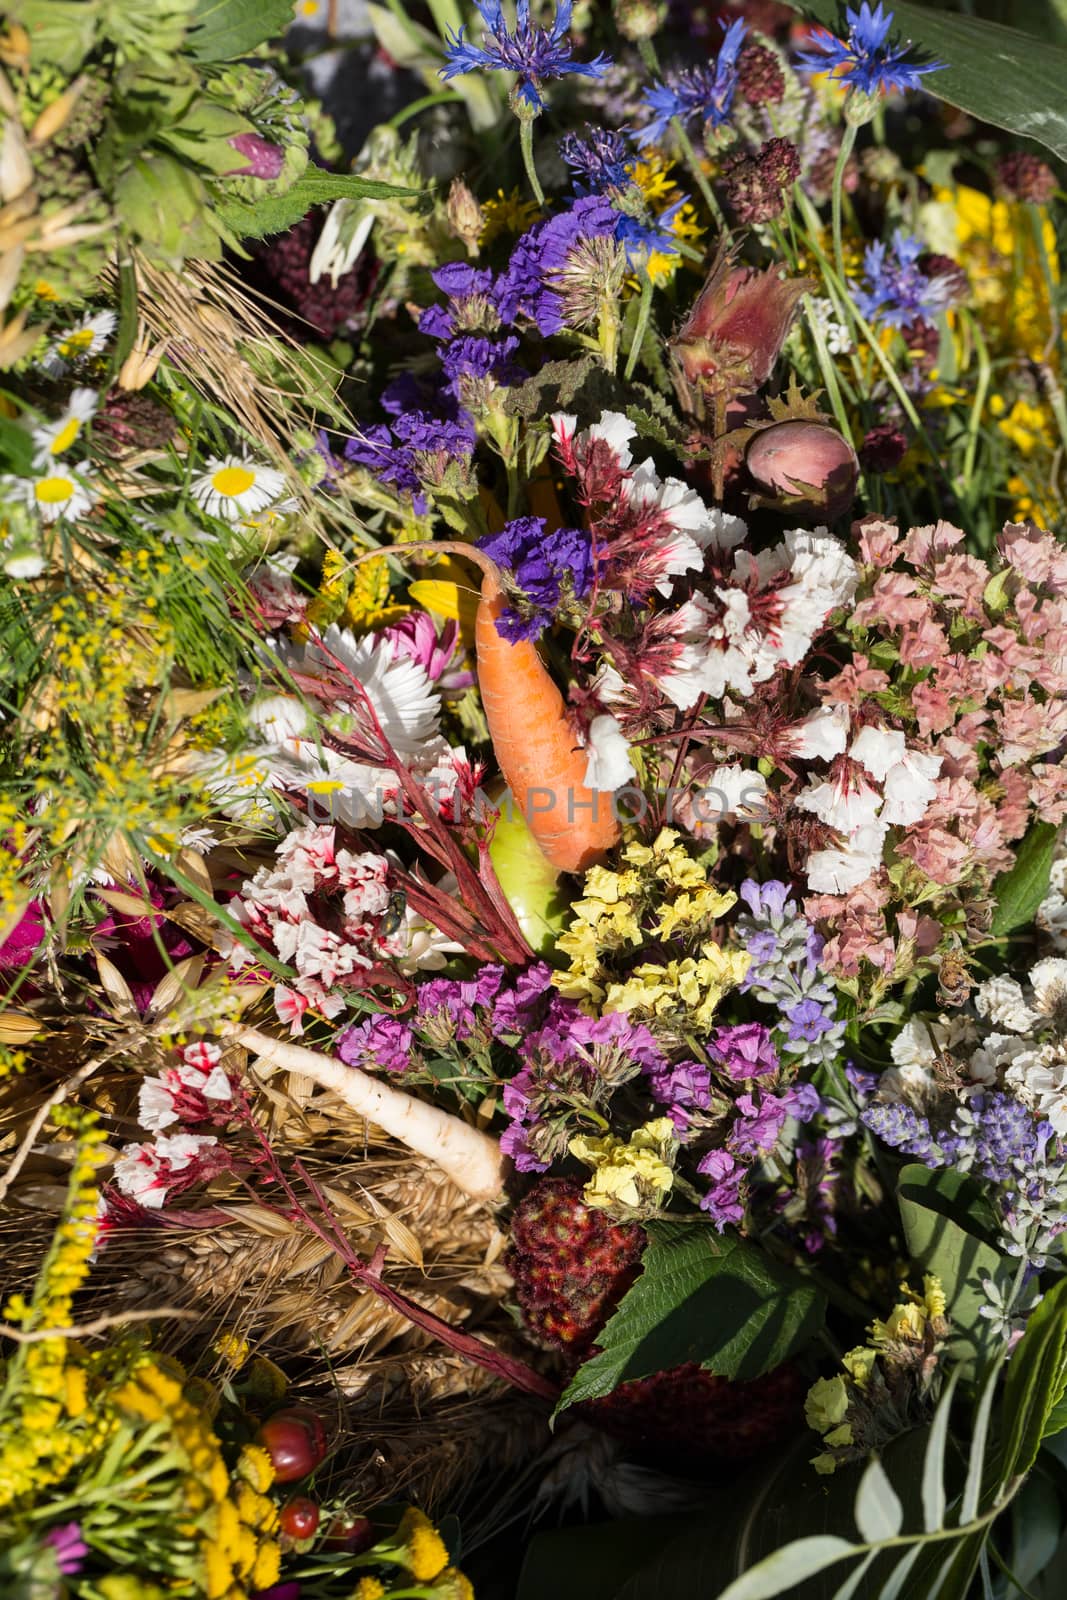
pixel 151 1173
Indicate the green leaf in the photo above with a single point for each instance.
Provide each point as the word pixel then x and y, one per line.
pixel 228 28
pixel 650 427
pixel 789 1566
pixel 879 1513
pixel 1035 1384
pixel 275 213
pixel 998 74
pixel 1019 891
pixel 16 448
pixel 933 1480
pixel 719 1302
pixel 947 1234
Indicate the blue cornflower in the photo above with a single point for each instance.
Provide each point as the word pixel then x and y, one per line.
pixel 652 236
pixel 706 93
pixel 534 53
pixel 601 161
pixel 897 290
pixel 864 61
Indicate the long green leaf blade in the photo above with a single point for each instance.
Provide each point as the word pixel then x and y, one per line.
pixel 972 1488
pixel 789 1566
pixel 933 1480
pixel 879 1513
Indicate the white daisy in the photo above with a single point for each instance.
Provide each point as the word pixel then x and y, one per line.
pixel 60 493
pixel 235 487
pixel 54 438
pixel 79 344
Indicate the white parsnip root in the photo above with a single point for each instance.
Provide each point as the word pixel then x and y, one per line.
pixel 472 1159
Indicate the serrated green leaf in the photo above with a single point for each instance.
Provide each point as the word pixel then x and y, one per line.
pixel 650 427
pixel 998 74
pixel 944 1233
pixel 878 1511
pixel 719 1302
pixel 555 384
pixel 1019 891
pixel 275 213
pixel 225 29
pixel 789 1566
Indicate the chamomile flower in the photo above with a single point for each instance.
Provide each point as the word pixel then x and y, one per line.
pixel 79 344
pixel 236 487
pixel 53 439
pixel 59 493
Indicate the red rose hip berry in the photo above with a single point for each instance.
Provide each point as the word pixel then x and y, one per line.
pixel 299 1517
pixel 295 1440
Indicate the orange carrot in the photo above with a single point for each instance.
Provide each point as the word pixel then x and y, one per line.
pixel 534 741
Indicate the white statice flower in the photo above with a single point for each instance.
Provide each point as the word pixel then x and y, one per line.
pixel 1038 1077
pixel 53 439
pixel 995 1056
pixel 879 750
pixel 145 1172
pixel 809 574
pixel 79 344
pixel 914 1046
pixel 62 492
pixel 822 734
pixel 613 429
pixel 234 488
pixel 608 764
pixel 845 801
pixel 910 789
pixel 1001 1002
pixel 1052 912
pixel 835 335
pixel 736 791
pixel 842 870
pixel 911 1083
pixel 1048 980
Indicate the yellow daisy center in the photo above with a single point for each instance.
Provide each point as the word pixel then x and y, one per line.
pixel 53 491
pixel 308 8
pixel 232 480
pixel 76 342
pixel 66 436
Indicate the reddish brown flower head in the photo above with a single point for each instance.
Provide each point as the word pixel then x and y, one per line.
pixel 756 185
pixel 760 79
pixel 732 337
pixel 1023 176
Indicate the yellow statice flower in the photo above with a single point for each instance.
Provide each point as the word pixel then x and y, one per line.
pixel 658 906
pixel 634 1174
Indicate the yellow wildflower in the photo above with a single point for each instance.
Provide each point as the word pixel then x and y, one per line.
pixel 636 1173
pixel 506 213
pixel 255 1466
pixel 268 1565
pixel 423 1550
pixel 369 1589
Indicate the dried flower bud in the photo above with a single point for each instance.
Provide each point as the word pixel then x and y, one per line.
pixel 804 466
pixel 1022 176
pixel 728 344
pixel 883 448
pixel 639 19
pixel 465 216
pixel 760 79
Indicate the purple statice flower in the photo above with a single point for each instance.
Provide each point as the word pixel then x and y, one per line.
pixel 522 1007
pixel 600 161
pixel 744 1051
pixel 819 1181
pixel 723 1201
pixel 68 1547
pixel 865 61
pixel 533 53
pixel 262 158
pixel 473 363
pixel 383 1042
pixel 808 1019
pixel 544 567
pixel 453 1003
pixel 416 448
pixel 704 94
pixel 525 287
pixel 683 1089
pixel 897 291
pixel 470 293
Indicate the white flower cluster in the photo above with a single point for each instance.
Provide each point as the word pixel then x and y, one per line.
pixel 287 906
pixel 1052 912
pixel 1016 1040
pixel 198 1090
pixel 881 784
